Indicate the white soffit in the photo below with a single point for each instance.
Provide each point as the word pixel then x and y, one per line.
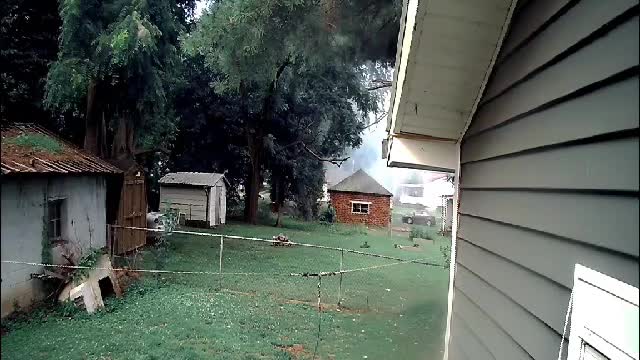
pixel 446 50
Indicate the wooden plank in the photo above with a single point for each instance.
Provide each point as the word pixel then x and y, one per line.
pixel 539 295
pixel 607 221
pixel 609 165
pixel 579 118
pixel 580 21
pixel 603 58
pixel 470 344
pixel 497 340
pixel 529 332
pixel 546 255
pixel 528 19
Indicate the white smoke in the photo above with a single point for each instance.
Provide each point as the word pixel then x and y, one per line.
pixel 368 157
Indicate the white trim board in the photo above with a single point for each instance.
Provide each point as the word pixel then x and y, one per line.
pixel 604 316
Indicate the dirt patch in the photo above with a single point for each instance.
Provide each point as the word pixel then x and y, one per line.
pixel 126 278
pixel 328 307
pixel 297 351
pixel 240 292
pixel 401 229
pixel 424 241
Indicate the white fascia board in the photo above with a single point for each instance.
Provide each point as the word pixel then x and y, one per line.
pixel 410 11
pixel 423 154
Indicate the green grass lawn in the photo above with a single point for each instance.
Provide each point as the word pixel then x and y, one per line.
pixel 397 311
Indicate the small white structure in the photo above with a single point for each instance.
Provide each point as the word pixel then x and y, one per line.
pixel 53 208
pixel 198 197
pixel 428 193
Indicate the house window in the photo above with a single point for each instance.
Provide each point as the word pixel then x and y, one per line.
pixel 359 207
pixel 54 219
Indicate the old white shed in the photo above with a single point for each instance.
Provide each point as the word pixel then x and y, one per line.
pixel 199 197
pixel 53 208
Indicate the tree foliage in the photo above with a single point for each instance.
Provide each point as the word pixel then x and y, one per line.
pixel 299 81
pixel 117 63
pixel 262 89
pixel 29 36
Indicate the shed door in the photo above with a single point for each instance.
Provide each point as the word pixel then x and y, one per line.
pixel 132 212
pixel 218 204
pixel 211 201
pixel 221 211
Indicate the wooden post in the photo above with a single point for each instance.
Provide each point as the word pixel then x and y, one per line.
pixel 220 270
pixel 340 282
pixel 109 243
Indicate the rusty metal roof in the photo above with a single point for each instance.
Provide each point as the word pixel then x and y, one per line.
pixel 28 148
pixel 192 178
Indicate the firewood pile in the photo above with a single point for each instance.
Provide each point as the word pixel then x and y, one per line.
pixel 281 240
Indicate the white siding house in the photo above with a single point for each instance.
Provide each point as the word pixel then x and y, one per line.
pixel 533 105
pixel 53 209
pixel 198 197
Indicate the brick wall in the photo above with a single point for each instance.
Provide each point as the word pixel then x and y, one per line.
pixel 379 209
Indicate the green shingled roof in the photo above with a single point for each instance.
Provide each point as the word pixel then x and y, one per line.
pixel 361 182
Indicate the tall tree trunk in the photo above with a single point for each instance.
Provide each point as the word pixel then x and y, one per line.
pixel 255 141
pixel 278 194
pixel 95 136
pixel 254 178
pixel 123 139
pixel 92 128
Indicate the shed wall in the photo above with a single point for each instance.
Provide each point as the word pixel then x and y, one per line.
pixel 24 217
pixel 192 201
pixel 549 177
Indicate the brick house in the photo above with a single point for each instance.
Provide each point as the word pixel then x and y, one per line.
pixel 359 199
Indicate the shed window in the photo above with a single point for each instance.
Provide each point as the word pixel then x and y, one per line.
pixel 54 219
pixel 358 207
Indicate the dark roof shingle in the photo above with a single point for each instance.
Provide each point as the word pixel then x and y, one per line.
pixel 361 182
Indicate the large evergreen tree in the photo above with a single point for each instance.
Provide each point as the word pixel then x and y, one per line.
pixel 117 64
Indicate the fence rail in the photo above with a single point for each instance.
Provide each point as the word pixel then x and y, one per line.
pixel 111 243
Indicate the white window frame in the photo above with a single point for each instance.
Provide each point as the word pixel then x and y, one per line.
pixel 604 316
pixel 368 203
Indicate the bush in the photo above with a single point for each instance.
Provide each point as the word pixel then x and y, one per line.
pixel 420 233
pixel 328 215
pixel 446 255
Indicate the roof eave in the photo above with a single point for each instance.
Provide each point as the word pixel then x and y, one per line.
pixel 445 113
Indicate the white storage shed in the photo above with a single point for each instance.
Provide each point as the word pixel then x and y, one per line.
pixel 199 197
